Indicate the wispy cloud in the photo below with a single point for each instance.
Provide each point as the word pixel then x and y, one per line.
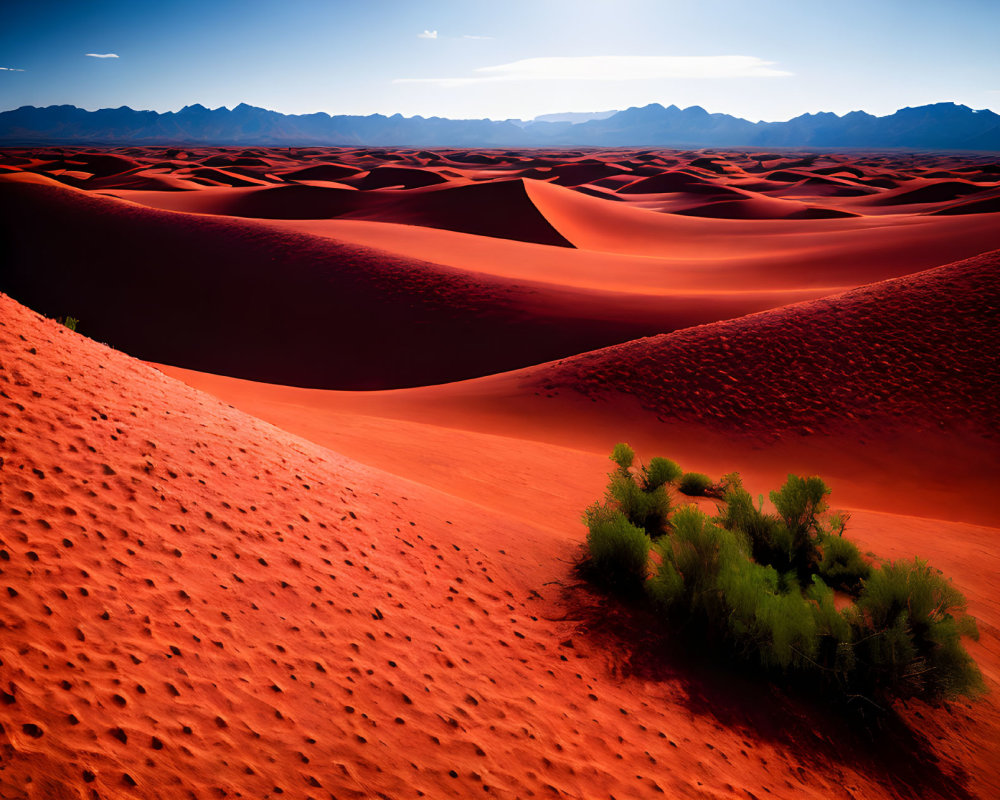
pixel 428 35
pixel 101 55
pixel 471 36
pixel 615 68
pixel 11 69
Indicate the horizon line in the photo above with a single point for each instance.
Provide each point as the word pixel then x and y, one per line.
pixel 493 119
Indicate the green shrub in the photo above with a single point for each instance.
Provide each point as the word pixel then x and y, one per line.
pixel 842 565
pixel 789 630
pixel 660 471
pixel 744 585
pixel 909 622
pixel 697 549
pixel 694 483
pixel 619 551
pixel 641 497
pixel 623 456
pixel 728 482
pixel 769 540
pixel 647 510
pixel 834 635
pixel 799 502
pixel 666 587
pixel 759 586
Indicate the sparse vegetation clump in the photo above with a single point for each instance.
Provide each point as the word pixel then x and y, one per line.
pixel 694 483
pixel 639 494
pixel 619 550
pixel 842 566
pixel 784 589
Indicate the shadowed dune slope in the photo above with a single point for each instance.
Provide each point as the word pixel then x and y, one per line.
pixel 320 172
pixel 241 298
pixel 199 604
pixel 919 352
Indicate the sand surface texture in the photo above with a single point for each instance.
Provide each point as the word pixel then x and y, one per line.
pixel 296 513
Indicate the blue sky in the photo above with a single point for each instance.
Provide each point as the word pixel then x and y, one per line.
pixel 759 59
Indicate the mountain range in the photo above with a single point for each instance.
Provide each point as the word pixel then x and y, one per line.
pixel 940 126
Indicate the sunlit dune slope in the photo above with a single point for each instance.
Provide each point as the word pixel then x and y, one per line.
pixel 199 604
pixel 800 246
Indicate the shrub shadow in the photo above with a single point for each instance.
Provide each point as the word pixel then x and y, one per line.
pixel 879 743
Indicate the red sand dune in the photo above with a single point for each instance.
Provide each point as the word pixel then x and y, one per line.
pixel 396 177
pixel 253 612
pixel 320 172
pixel 985 205
pixel 235 297
pixel 918 351
pixel 221 177
pixel 204 604
pixel 928 192
pixel 502 209
pixel 134 273
pixel 673 181
pixel 897 378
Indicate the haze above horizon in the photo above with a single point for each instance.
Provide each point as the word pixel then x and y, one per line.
pixel 766 60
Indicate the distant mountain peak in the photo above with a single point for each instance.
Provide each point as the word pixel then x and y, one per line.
pixel 937 126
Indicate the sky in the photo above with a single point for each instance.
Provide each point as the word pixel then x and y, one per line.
pixel 758 59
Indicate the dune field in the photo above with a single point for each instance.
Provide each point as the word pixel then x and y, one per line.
pixel 296 512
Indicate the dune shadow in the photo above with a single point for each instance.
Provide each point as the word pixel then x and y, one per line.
pixel 811 729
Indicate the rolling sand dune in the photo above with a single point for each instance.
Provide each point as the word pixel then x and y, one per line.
pixel 918 352
pixel 321 172
pixel 672 181
pixel 502 209
pixel 236 297
pixel 199 602
pixel 234 588
pixel 892 379
pixel 929 192
pixel 985 205
pixel 397 177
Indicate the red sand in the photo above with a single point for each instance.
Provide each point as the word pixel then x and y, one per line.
pixel 201 604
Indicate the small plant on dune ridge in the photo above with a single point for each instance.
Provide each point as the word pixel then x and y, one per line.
pixel 69 322
pixel 760 586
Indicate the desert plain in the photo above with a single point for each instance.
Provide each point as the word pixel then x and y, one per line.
pixel 296 512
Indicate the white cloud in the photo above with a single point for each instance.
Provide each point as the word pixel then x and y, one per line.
pixel 471 36
pixel 11 69
pixel 615 68
pixel 428 35
pixel 102 55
